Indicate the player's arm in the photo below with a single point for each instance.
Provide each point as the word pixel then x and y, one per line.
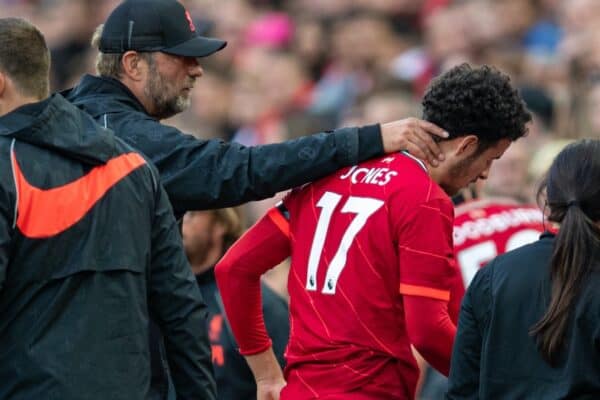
pixel 426 270
pixel 430 330
pixel 238 274
pixel 239 173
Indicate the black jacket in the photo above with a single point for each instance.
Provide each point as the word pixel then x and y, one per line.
pixel 88 249
pixel 203 174
pixel 495 358
pixel 234 378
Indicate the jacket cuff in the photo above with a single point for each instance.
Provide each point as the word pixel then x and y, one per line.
pixel 370 143
pixel 358 144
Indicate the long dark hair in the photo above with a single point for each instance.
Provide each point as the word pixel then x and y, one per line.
pixel 572 190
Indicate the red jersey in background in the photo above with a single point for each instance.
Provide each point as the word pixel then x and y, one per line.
pixel 486 228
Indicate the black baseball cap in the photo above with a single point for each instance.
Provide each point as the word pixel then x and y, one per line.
pixel 155 25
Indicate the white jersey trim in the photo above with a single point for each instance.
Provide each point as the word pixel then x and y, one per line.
pixel 420 162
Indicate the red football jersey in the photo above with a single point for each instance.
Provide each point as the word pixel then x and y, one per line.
pixel 359 240
pixel 486 228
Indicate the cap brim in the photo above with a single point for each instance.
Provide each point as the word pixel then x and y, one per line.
pixel 199 46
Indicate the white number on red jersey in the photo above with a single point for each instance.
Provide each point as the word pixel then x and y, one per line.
pixel 363 207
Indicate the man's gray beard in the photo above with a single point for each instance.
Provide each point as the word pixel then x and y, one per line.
pixel 157 90
pixel 182 103
pixel 166 107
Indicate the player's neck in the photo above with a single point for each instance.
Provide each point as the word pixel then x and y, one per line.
pixel 440 173
pixel 436 173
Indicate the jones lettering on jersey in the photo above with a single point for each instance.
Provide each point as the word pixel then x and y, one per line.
pixel 373 176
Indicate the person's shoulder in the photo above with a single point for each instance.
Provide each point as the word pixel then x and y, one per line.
pixel 413 181
pixel 295 195
pixel 406 165
pixel 545 243
pixel 149 170
pixel 481 281
pixel 139 118
pixel 152 137
pixel 526 259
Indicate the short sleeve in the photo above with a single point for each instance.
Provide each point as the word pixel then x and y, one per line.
pixel 425 250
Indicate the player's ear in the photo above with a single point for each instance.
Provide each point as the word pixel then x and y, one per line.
pixel 467 145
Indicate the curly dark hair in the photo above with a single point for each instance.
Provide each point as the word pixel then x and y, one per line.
pixel 478 101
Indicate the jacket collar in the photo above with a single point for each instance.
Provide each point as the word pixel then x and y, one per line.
pixel 30 115
pixel 56 124
pixel 99 95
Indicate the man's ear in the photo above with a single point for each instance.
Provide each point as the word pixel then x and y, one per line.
pixel 133 65
pixel 467 145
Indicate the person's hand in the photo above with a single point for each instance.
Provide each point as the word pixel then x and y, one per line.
pixel 267 374
pixel 414 135
pixel 269 389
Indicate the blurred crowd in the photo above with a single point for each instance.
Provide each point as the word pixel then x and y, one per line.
pixel 294 67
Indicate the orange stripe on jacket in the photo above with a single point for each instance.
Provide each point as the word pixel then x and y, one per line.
pixel 424 291
pixel 48 212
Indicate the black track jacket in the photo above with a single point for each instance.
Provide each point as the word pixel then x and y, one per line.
pixel 204 174
pixel 88 249
pixel 494 356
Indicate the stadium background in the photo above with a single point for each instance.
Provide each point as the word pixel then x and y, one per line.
pixel 294 67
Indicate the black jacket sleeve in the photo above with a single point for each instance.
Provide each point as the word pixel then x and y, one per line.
pixel 177 305
pixel 463 382
pixel 203 174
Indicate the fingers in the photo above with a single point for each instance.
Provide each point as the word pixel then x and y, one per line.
pixel 432 128
pixel 430 148
pixel 414 135
pixel 417 148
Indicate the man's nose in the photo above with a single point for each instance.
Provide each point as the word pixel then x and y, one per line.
pixel 195 69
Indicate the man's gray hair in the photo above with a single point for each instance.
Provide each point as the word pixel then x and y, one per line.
pixel 109 64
